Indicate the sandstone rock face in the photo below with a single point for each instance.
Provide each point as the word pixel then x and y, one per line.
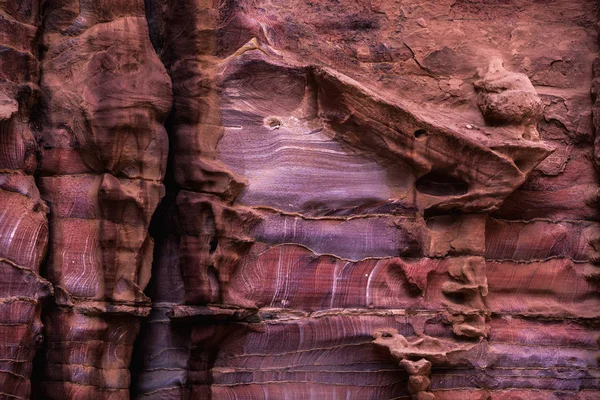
pixel 23 213
pixel 299 200
pixel 507 97
pixel 104 98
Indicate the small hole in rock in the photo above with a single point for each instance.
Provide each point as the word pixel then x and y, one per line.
pixel 420 133
pixel 457 297
pixel 273 123
pixel 214 242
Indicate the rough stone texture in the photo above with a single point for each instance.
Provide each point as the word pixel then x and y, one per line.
pixel 104 98
pixel 507 97
pixel 23 221
pixel 361 199
pixel 362 167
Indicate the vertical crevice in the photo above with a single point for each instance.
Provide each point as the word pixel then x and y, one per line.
pixel 159 365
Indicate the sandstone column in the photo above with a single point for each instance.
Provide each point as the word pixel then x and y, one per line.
pixel 23 222
pixel 105 96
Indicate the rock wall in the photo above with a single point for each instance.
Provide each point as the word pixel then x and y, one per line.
pixel 366 199
pixel 103 149
pixel 23 213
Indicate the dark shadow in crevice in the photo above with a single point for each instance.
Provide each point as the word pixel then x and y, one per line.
pixel 437 212
pixel 438 183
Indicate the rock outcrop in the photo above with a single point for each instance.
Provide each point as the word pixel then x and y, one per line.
pixel 302 199
pixel 23 213
pixel 104 98
pixel 507 97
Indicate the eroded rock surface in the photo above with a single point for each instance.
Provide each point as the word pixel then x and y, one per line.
pixel 23 213
pixel 507 97
pixel 302 199
pixel 104 98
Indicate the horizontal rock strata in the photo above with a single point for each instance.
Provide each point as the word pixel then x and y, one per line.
pixel 299 200
pixel 104 98
pixel 23 213
pixel 351 185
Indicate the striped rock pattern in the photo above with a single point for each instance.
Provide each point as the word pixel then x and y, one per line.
pixel 23 214
pixel 104 98
pixel 359 199
pixel 334 177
